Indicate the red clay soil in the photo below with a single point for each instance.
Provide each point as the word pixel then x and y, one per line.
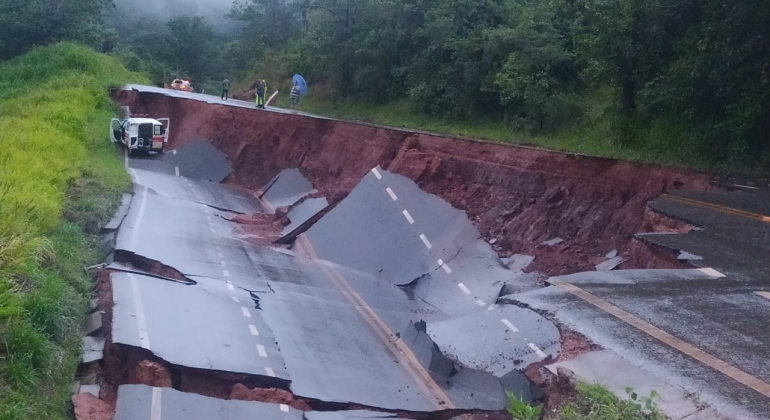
pixel 560 388
pixel 262 229
pixel 519 196
pixel 152 373
pixel 574 344
pixel 88 407
pixel 269 395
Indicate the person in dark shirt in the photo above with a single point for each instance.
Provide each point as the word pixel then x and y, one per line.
pixel 225 89
pixel 260 86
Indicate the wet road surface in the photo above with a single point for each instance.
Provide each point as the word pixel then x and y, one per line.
pixel 140 402
pixel 409 264
pixel 712 322
pixel 377 304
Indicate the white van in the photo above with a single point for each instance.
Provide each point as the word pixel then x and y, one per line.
pixel 140 134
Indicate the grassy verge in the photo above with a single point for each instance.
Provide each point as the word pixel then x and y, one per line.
pixel 59 179
pixel 592 402
pixel 664 142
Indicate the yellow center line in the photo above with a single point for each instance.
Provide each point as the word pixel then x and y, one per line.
pixel 655 332
pixel 719 208
pixel 397 347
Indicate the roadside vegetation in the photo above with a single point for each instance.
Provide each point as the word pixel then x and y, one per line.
pixel 683 82
pixel 670 81
pixel 59 180
pixel 595 138
pixel 592 402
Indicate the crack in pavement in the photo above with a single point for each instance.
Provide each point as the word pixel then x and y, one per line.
pixel 191 200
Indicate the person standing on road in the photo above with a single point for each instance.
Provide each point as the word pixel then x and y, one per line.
pixel 260 87
pixel 225 89
pixel 295 91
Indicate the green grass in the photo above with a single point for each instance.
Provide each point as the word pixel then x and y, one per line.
pixel 591 402
pixel 59 180
pixel 666 142
pixel 595 402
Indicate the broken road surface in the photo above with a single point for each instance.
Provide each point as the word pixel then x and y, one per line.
pixel 382 300
pixel 371 307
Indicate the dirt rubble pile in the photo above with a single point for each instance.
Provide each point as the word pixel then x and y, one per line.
pixel 518 197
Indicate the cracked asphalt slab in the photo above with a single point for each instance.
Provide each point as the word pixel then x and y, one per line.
pixel 286 188
pixel 141 402
pixel 475 282
pixel 217 196
pixel 387 218
pixel 188 236
pixel 302 212
pixel 476 339
pixel 333 330
pixel 226 336
pixel 196 159
pixel 733 235
pixel 681 303
pixel 354 267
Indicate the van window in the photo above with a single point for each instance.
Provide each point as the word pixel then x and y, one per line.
pixel 158 131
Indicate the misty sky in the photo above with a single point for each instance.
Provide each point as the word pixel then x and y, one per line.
pixel 212 10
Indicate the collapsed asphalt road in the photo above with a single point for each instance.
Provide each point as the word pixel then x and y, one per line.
pixel 386 299
pixel 378 305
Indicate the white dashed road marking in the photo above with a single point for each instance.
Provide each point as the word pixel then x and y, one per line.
pixel 220 255
pixel 246 312
pixel 261 350
pixel 284 408
pixel 155 405
pixel 463 288
pixel 270 372
pixel 236 300
pixel 176 170
pixel 481 303
pixel 376 173
pixel 225 273
pixel 230 285
pixel 222 263
pixel 253 330
pixel 212 230
pixel 510 325
pixel 408 217
pixel 537 350
pixel 391 194
pixel 426 241
pixel 444 266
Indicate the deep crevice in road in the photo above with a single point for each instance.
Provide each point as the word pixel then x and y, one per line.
pixel 517 197
pixel 151 267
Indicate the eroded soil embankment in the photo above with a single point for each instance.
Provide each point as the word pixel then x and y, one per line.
pixel 518 196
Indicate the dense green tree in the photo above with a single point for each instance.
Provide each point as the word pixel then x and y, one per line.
pixel 700 66
pixel 27 23
pixel 191 47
